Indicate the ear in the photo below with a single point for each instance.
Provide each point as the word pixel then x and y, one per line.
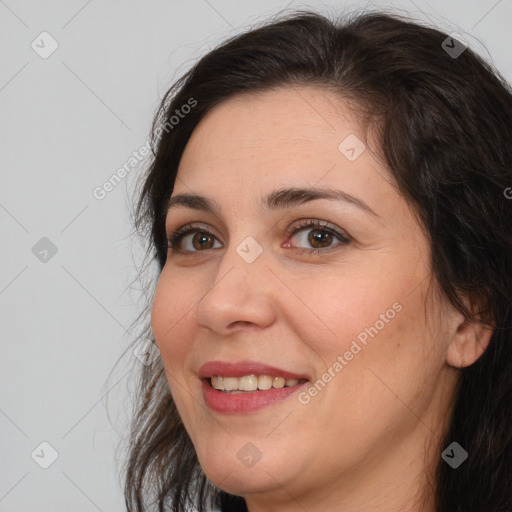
pixel 469 340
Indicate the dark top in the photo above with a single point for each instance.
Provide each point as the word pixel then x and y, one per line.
pixel 230 503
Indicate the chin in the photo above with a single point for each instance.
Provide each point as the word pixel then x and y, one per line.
pixel 238 480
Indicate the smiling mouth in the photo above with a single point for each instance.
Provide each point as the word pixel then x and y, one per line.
pixel 246 394
pixel 251 383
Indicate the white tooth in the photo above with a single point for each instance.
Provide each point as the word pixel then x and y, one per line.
pixel 278 382
pixel 217 382
pixel 264 382
pixel 230 383
pixel 248 383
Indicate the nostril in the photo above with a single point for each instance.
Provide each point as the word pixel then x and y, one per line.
pixel 239 322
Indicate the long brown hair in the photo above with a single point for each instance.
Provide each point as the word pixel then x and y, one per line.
pixel 444 125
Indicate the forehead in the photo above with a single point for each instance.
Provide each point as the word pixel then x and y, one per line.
pixel 253 143
pixel 299 118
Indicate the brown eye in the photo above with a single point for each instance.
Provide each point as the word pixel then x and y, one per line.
pixel 202 241
pixel 321 237
pixel 314 236
pixel 191 239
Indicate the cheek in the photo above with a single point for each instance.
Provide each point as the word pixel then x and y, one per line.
pixel 377 326
pixel 170 320
pixel 172 305
pixel 346 310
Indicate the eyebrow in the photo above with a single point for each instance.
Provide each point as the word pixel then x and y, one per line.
pixel 277 200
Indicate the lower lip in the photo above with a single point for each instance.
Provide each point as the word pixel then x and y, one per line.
pixel 242 403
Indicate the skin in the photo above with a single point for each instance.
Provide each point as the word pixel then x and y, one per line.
pixel 370 438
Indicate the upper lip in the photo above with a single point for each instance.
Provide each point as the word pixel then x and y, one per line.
pixel 242 368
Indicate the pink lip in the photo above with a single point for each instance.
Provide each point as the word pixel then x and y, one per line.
pixel 243 403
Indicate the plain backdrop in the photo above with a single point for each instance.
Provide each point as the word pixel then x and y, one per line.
pixel 79 83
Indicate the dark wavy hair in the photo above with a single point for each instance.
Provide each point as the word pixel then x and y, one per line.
pixel 444 129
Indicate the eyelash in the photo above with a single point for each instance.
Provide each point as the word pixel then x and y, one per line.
pixel 175 237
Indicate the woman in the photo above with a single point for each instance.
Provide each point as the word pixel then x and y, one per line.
pixel 327 209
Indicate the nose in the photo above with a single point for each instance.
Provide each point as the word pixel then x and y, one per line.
pixel 239 294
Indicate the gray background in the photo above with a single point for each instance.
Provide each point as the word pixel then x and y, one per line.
pixel 68 122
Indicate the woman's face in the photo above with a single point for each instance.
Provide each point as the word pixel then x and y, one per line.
pixel 341 307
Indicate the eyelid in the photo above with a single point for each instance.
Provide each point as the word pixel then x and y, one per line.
pixel 315 223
